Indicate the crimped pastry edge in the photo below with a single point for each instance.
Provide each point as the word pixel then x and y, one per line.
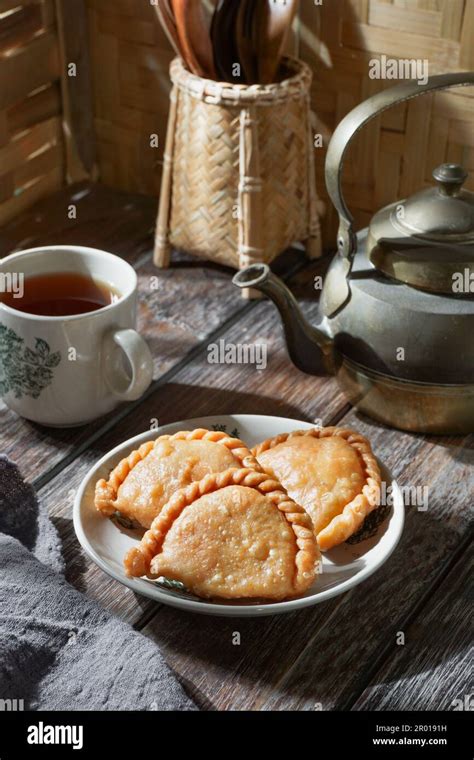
pixel 137 561
pixel 345 524
pixel 106 490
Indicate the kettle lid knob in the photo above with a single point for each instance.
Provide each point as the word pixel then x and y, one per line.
pixel 428 238
pixel 450 178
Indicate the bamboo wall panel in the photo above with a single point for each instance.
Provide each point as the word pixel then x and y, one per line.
pixel 31 142
pixel 130 61
pixel 391 158
pixel 395 154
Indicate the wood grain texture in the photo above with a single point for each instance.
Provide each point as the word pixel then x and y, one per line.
pixel 431 669
pixel 121 223
pixel 31 66
pixel 31 137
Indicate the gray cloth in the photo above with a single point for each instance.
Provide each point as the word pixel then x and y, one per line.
pixel 58 649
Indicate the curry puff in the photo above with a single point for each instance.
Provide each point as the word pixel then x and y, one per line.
pixel 331 472
pixel 144 482
pixel 232 535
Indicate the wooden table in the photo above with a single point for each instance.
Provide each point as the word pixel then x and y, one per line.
pixel 344 654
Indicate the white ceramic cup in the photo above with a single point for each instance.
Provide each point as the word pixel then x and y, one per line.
pixel 65 371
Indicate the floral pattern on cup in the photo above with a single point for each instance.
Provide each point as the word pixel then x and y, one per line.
pixel 24 371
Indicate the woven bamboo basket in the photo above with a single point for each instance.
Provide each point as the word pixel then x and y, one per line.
pixel 238 183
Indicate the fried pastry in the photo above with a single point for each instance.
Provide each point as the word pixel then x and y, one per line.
pixel 331 472
pixel 144 481
pixel 232 535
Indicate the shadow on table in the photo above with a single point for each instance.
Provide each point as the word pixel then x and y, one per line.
pixel 458 447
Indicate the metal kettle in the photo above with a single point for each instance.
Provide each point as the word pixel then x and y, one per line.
pixel 396 316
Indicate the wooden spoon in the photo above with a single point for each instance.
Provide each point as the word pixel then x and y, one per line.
pixel 223 35
pixel 166 18
pixel 271 29
pixel 193 35
pixel 245 47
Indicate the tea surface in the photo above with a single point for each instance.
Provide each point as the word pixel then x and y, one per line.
pixel 61 294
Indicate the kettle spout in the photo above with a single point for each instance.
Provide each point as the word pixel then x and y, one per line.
pixel 310 349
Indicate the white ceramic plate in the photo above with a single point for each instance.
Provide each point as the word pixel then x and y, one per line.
pixel 343 567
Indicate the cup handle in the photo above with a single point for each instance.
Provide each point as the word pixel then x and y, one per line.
pixel 139 358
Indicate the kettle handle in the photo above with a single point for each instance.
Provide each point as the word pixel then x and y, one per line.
pixel 348 128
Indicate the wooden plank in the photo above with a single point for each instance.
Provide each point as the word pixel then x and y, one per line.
pixel 461 132
pixel 119 222
pixel 455 104
pixel 38 107
pixel 198 389
pixel 4 136
pixel 42 187
pixel 142 122
pixel 104 56
pixel 109 132
pixel 365 146
pixel 17 151
pixel 470 159
pixel 146 31
pixel 126 7
pixel 452 22
pixel 445 53
pixel 7 187
pixel 413 20
pixel 457 153
pixel 76 90
pixel 29 68
pixel 295 662
pixel 395 118
pixel 48 13
pixel 431 669
pixel 391 142
pixel 19 26
pixel 44 161
pixel 137 76
pixel 386 186
pixel 416 144
pixel 149 57
pixel 145 101
pixel 466 57
pixel 9 5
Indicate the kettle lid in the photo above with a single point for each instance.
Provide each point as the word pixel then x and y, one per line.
pixel 427 240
